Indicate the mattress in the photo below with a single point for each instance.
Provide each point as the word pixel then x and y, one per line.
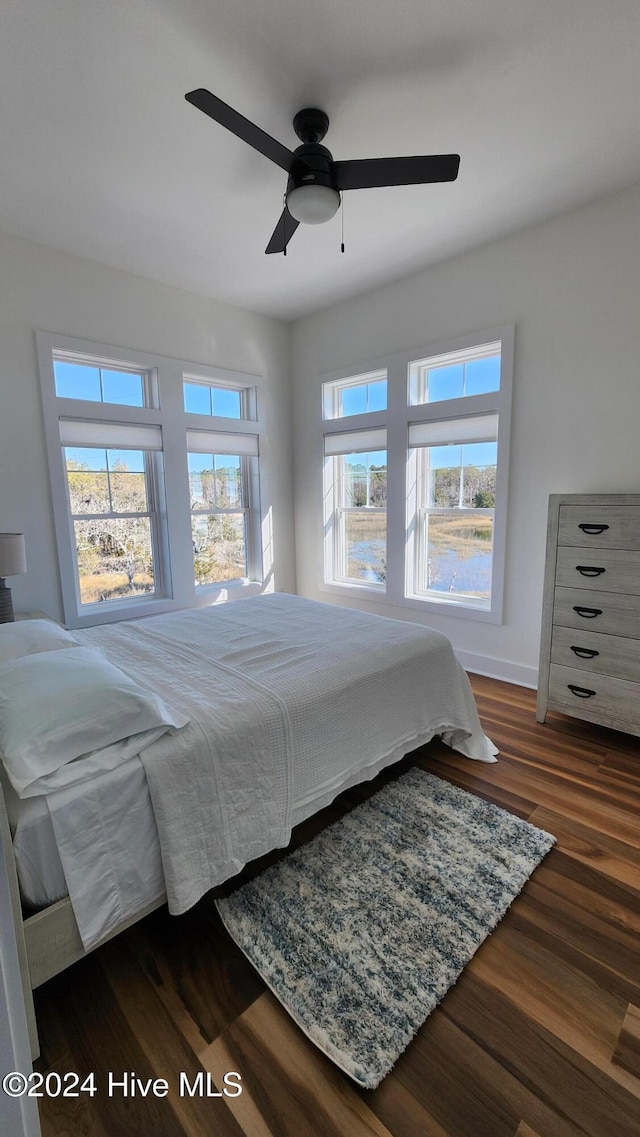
pixel 40 872
pixel 290 702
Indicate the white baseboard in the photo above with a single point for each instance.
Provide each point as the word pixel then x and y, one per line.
pixel 503 669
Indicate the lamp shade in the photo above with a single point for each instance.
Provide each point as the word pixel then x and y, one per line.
pixel 12 554
pixel 313 204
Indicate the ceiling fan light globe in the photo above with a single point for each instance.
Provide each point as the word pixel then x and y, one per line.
pixel 313 204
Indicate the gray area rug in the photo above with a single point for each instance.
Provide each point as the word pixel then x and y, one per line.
pixel 361 932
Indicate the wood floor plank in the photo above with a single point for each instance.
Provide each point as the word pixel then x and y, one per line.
pixel 525 1130
pixel 402 1113
pixel 540 1036
pixel 201 975
pixel 573 798
pixel 587 938
pixel 627 1051
pixel 313 1096
pixel 617 860
pixel 101 1042
pixel 167 1050
pixel 554 995
pixel 470 1088
pixel 558 1075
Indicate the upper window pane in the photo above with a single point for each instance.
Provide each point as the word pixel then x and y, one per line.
pixel 105 481
pixel 215 481
pixel 355 396
pixel 462 475
pixel 98 384
pixel 456 375
pixel 204 399
pixel 364 479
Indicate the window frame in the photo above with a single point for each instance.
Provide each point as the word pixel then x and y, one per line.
pixel 419 514
pixel 332 391
pixel 164 378
pixel 368 438
pixel 250 494
pixel 154 487
pixel 402 496
pixel 340 512
pixel 248 402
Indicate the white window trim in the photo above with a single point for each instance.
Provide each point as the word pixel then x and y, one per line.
pixel 332 391
pixel 167 412
pixel 401 502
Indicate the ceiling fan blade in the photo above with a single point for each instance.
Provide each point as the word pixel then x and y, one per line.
pixel 241 127
pixel 282 233
pixel 368 173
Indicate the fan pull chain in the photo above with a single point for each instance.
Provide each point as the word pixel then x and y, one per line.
pixel 284 207
pixel 342 222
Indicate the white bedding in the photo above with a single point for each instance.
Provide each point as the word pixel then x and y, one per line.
pixel 274 735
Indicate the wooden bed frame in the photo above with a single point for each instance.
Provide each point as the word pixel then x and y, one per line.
pixel 49 940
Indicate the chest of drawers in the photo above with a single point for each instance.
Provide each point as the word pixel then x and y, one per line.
pixel 590 644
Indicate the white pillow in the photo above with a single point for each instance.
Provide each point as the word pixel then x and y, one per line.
pixel 57 706
pixel 26 637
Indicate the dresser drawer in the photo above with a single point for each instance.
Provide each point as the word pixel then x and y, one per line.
pixel 607 570
pixel 597 653
pixel 612 702
pixel 609 612
pixel 600 527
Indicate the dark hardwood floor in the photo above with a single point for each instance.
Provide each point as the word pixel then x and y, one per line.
pixel 540 1037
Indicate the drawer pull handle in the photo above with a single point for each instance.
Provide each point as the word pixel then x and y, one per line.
pixel 593 530
pixel 580 692
pixel 588 613
pixel 590 570
pixel 585 652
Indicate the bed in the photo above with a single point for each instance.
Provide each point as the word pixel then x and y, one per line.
pixel 270 707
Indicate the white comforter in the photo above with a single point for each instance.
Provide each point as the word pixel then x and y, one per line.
pixel 289 701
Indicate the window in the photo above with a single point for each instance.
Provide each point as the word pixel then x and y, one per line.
pixel 222 470
pixel 156 502
pixel 356 501
pixel 455 469
pixel 360 394
pixel 415 493
pixel 114 482
pixel 223 402
pixel 93 383
pixel 455 374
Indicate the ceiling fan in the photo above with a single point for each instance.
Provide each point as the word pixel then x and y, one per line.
pixel 315 180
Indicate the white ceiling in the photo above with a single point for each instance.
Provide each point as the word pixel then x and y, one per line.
pixel 101 156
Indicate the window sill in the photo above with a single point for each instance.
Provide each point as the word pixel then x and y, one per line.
pixel 467 609
pixel 349 588
pixel 207 594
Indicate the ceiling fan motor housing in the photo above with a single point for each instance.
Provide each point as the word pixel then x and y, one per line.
pixel 311 166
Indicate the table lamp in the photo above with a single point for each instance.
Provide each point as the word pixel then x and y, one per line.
pixel 12 562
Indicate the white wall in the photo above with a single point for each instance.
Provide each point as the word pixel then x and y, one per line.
pixel 571 287
pixel 41 289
